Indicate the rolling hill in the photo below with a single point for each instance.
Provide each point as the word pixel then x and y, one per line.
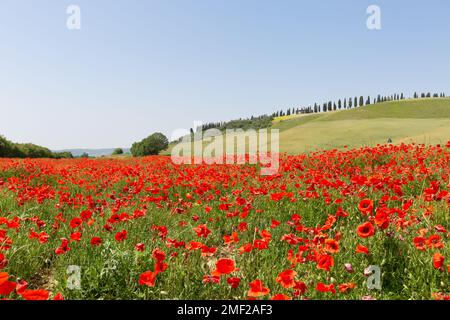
pixel 413 120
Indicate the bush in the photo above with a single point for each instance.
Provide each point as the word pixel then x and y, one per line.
pixel 117 151
pixel 63 155
pixel 151 145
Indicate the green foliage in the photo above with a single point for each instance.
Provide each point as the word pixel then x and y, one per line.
pixel 151 145
pixel 255 123
pixel 63 155
pixel 33 151
pixel 117 151
pixel 10 149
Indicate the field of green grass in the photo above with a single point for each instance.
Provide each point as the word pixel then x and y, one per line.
pixel 416 120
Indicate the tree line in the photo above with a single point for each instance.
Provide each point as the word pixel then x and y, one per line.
pixel 265 121
pixel 10 149
pixel 351 102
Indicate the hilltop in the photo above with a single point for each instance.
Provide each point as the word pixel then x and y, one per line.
pixel 420 120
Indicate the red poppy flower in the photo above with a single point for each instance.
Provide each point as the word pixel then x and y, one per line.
pixel 43 237
pixel 382 219
pixel 75 236
pixel 331 246
pixel 3 261
pixel 361 249
pixel 58 297
pixel 64 247
pixel 21 286
pixel 365 230
pixel 299 288
pixel 39 294
pixel 160 267
pixel 243 226
pixel 159 255
pixel 233 282
pixel 147 278
pixel 286 278
pixel 75 222
pixel 245 248
pixel 7 287
pixel 419 243
pixel 202 230
pixel 365 206
pixel 275 223
pixel 3 277
pixel 140 247
pixel 325 262
pixel 257 289
pixel 229 239
pixel 325 287
pixel 224 266
pixel 96 241
pixel 438 260
pixel 210 278
pixel 346 287
pixel 121 235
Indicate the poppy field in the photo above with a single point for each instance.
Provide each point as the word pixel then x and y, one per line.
pixel 145 228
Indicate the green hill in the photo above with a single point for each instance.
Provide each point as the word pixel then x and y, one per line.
pixel 418 120
pixel 415 120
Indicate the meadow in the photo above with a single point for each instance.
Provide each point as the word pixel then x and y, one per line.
pixel 144 228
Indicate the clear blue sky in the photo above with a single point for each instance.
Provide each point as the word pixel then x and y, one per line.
pixel 136 67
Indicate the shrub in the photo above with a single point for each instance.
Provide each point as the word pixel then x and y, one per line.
pixel 117 151
pixel 151 145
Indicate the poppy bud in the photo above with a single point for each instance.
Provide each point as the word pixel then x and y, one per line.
pixel 348 267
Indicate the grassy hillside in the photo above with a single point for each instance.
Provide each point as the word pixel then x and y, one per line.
pixel 418 120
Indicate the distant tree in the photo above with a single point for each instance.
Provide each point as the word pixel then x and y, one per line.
pixel 428 95
pixel 84 155
pixel 117 151
pixel 339 104
pixel 350 103
pixel 330 106
pixel 355 102
pixel 288 113
pixel 345 103
pixel 402 96
pixel 368 100
pixel 361 101
pixel 151 145
pixel 63 155
pixel 415 95
pixel 9 149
